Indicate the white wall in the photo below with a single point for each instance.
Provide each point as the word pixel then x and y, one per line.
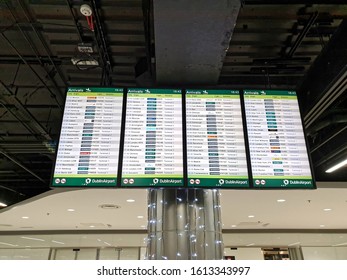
pixel 324 253
pixel 245 253
pixel 24 254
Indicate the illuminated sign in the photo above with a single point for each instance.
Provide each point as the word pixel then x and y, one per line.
pixel 88 151
pixel 153 141
pixel 276 140
pixel 216 154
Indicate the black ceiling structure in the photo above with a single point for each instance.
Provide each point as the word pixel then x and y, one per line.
pixel 46 46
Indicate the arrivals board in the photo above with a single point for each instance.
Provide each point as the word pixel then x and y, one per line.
pixel 90 136
pixel 153 140
pixel 216 154
pixel 114 137
pixel 277 144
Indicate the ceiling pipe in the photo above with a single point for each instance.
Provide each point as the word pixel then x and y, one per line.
pixel 101 40
pixel 79 33
pixel 303 34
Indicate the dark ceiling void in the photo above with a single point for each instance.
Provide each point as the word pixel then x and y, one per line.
pixel 47 45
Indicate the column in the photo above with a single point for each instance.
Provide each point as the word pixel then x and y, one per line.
pixel 184 224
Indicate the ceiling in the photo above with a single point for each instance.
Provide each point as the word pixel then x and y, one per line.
pixel 302 47
pixel 105 209
pixel 95 217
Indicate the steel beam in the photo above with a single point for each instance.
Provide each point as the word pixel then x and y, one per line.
pixel 11 158
pixel 22 113
pixel 326 80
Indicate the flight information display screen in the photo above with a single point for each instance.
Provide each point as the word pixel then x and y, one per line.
pixel 158 138
pixel 90 137
pixel 277 144
pixel 216 154
pixel 153 140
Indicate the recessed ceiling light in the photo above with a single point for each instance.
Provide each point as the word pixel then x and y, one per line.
pixel 281 200
pixel 251 216
pixel 3 204
pixel 92 226
pixel 233 225
pixel 25 217
pixel 327 209
pixel 143 226
pixel 140 217
pixel 321 225
pixel 71 210
pixel 130 200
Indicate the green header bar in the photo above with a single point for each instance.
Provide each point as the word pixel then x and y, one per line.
pixel 270 92
pixel 89 94
pixel 94 90
pixel 153 91
pixel 212 91
pixel 215 96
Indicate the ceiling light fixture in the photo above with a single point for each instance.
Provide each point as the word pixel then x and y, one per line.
pixel 32 238
pixel 281 200
pixel 321 225
pixel 341 244
pixel 233 225
pixel 130 200
pixel 327 209
pixel 140 217
pixel 8 244
pixel 250 244
pixel 3 204
pixel 337 166
pixel 293 244
pixel 58 242
pixel 71 210
pixel 251 216
pixel 25 217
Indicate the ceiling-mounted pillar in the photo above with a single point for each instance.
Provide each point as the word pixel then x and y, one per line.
pixel 191 39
